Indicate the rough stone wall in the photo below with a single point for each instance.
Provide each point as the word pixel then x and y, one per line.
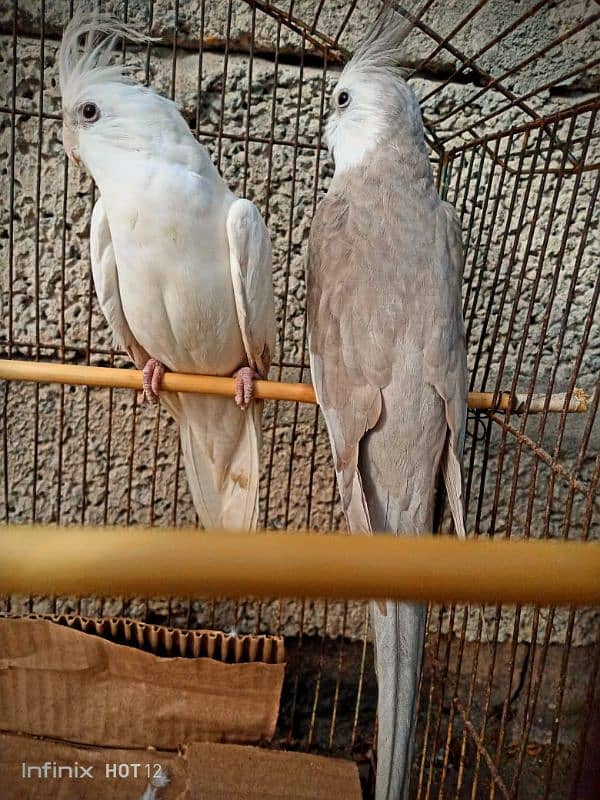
pixel 69 450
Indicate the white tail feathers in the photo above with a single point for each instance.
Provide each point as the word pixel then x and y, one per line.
pixel 221 448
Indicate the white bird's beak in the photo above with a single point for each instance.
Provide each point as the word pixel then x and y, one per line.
pixel 70 144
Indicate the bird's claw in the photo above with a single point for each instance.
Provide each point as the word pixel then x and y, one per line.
pixel 244 386
pixel 152 376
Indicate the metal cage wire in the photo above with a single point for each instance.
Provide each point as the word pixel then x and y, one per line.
pixel 510 103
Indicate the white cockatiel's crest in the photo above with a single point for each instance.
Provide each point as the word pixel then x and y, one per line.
pixel 103 108
pixel 371 100
pixel 82 67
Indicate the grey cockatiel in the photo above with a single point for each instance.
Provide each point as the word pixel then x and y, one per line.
pixel 387 348
pixel 182 268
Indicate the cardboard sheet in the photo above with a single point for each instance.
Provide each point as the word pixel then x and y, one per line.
pixel 64 684
pixel 164 641
pixel 231 772
pixel 94 774
pixel 199 772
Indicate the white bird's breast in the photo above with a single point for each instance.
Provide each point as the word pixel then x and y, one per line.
pixel 169 234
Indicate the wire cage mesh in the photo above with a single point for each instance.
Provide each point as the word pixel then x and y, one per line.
pixel 509 93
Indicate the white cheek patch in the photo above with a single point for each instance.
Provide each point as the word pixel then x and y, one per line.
pixel 350 140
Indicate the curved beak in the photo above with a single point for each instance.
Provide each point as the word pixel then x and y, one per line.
pixel 70 143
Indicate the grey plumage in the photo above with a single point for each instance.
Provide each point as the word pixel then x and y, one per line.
pixel 381 47
pixel 387 350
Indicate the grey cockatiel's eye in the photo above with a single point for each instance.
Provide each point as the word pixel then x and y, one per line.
pixel 342 99
pixel 89 112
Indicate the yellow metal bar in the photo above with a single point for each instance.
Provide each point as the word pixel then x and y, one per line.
pixel 176 562
pixel 42 372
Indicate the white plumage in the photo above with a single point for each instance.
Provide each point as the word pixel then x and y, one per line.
pixel 182 268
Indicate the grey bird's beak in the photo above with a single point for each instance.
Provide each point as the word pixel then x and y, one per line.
pixel 70 144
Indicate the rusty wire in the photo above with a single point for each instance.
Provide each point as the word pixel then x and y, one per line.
pixel 517 155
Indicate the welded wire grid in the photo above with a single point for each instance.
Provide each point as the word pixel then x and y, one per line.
pixel 509 97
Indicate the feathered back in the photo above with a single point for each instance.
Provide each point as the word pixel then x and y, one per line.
pixel 381 49
pixel 81 67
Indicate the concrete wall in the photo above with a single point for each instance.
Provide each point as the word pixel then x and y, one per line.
pixel 69 451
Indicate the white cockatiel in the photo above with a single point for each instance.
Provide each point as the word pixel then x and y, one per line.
pixel 387 348
pixel 182 268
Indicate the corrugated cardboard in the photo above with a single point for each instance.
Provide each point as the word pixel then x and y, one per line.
pixel 176 641
pixel 68 685
pixel 199 772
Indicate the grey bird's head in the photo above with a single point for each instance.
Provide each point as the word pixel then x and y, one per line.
pixel 371 101
pixel 104 110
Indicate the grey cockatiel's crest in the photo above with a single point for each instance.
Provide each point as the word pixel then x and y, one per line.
pixel 387 348
pixel 182 268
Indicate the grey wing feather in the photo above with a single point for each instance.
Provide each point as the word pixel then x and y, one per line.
pixel 348 364
pixel 106 283
pixel 446 359
pixel 251 274
pixel 352 336
pixel 345 449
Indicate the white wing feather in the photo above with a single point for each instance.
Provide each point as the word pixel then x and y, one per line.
pixel 106 282
pixel 251 274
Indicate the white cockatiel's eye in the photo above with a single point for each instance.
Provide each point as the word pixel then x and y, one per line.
pixel 342 99
pixel 89 112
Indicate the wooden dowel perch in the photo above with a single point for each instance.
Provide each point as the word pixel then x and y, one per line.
pixel 175 562
pixel 42 372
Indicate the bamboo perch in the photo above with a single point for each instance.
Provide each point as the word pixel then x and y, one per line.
pixel 174 562
pixel 42 372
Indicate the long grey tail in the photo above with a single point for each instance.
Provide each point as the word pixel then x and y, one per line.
pixel 399 636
